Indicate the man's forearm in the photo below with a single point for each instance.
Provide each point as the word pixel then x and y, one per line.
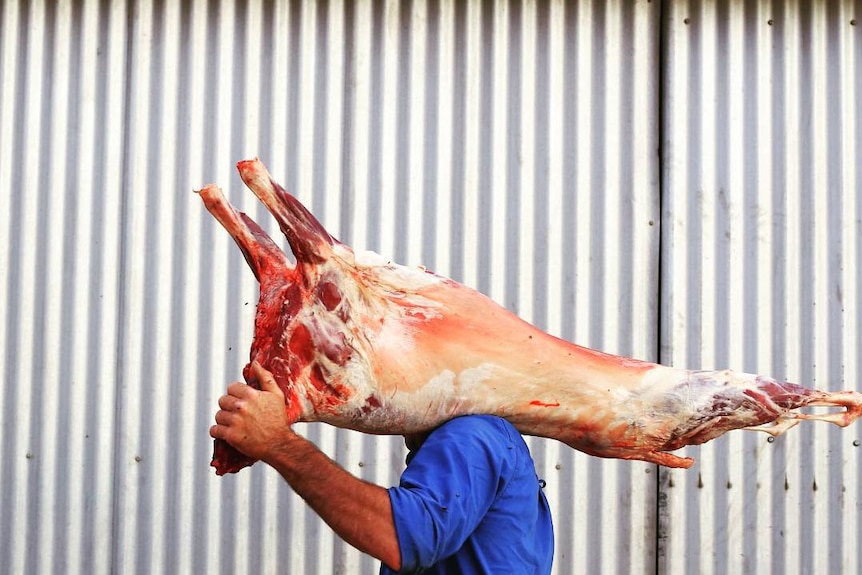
pixel 360 512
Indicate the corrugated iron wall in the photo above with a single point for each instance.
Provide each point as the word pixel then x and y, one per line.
pixel 544 153
pixel 762 240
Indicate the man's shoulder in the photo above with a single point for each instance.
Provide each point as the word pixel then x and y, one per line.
pixel 489 422
pixel 486 428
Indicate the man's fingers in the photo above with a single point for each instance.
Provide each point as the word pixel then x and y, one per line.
pixel 266 379
pixel 240 390
pixel 223 417
pixel 228 402
pixel 219 432
pixel 224 432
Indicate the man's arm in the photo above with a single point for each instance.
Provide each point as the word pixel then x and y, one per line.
pixel 255 422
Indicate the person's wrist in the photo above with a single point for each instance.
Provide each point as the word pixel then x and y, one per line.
pixel 280 447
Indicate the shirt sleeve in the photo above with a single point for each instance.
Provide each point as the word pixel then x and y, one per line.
pixel 448 487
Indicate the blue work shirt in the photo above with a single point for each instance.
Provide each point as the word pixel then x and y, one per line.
pixel 470 502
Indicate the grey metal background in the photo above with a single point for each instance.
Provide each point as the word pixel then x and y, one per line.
pixel 666 180
pixel 762 230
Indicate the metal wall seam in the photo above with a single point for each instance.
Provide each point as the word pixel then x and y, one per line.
pixel 760 273
pixel 10 87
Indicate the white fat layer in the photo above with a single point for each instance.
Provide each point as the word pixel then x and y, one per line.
pixel 444 379
pixel 476 376
pixel 689 391
pixel 395 274
pixel 389 291
pixel 445 395
pixel 447 385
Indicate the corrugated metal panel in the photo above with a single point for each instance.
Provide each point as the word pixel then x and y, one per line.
pixel 586 181
pixel 61 131
pixel 760 269
pixel 510 146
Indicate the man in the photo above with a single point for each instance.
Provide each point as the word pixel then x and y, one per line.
pixel 468 502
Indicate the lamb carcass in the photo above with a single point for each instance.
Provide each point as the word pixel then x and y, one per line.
pixel 362 343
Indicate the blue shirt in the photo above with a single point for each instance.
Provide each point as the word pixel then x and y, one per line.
pixel 470 502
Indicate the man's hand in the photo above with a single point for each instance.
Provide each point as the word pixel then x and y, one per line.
pixel 253 421
pixel 256 423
